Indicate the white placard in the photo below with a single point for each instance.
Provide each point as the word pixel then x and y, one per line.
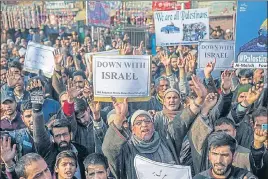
pixel 109 52
pixel 174 27
pixel 121 76
pixel 148 169
pixel 39 57
pixel 221 50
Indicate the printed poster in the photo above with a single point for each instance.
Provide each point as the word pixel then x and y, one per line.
pixel 221 50
pixel 175 27
pixel 148 169
pixel 39 57
pixel 251 34
pixel 122 76
pixel 98 13
pixel 218 8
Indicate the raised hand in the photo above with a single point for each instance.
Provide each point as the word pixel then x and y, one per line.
pixel 209 68
pixel 121 110
pixel 253 94
pixel 12 79
pixel 88 91
pixel 191 62
pixel 95 108
pixel 226 81
pixel 181 62
pixel 199 89
pixel 260 136
pixel 36 92
pixel 72 92
pixel 8 152
pixel 210 101
pixel 164 58
pixel 58 57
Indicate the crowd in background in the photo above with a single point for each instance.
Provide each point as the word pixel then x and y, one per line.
pixel 52 127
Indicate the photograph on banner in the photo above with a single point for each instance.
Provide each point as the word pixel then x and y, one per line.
pixel 122 76
pixel 146 168
pixel 221 50
pixel 39 57
pixel 251 35
pixel 174 27
pixel 218 8
pixel 98 13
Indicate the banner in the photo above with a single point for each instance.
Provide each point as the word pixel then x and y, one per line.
pixel 148 169
pixel 251 35
pixel 169 5
pixel 39 57
pixel 218 8
pixel 221 50
pixel 174 27
pixel 122 76
pixel 98 14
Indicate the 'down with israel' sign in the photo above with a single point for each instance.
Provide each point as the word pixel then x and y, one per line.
pixel 121 76
pixel 221 50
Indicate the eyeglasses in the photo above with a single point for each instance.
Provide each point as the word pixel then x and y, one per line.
pixel 64 135
pixel 139 122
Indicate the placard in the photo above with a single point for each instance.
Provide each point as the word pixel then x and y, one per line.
pixel 174 27
pixel 98 14
pixel 221 50
pixel 89 56
pixel 39 57
pixel 122 76
pixel 148 169
pixel 251 35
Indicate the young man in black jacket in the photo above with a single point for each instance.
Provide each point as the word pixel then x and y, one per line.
pixel 61 133
pixel 221 153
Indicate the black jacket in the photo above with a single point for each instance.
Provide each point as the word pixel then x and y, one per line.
pixel 48 149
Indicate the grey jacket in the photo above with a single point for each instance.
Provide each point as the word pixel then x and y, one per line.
pixel 121 152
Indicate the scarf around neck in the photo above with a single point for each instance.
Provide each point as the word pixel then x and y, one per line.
pixel 159 98
pixel 170 114
pixel 146 147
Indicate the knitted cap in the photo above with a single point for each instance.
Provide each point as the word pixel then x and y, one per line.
pixel 171 90
pixel 243 88
pixel 138 113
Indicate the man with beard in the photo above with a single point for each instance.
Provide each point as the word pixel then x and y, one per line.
pixel 11 119
pixel 147 140
pixel 155 71
pixel 16 86
pixel 90 128
pixel 221 153
pixel 24 137
pixel 60 130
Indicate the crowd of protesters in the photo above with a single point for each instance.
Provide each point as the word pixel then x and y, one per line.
pixel 52 127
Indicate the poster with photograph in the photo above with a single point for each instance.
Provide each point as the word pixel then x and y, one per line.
pixel 251 35
pixel 98 13
pixel 175 27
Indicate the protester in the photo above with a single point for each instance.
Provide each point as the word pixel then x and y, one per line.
pixel 11 118
pixel 221 152
pixel 96 166
pixel 66 165
pixel 53 125
pixel 145 140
